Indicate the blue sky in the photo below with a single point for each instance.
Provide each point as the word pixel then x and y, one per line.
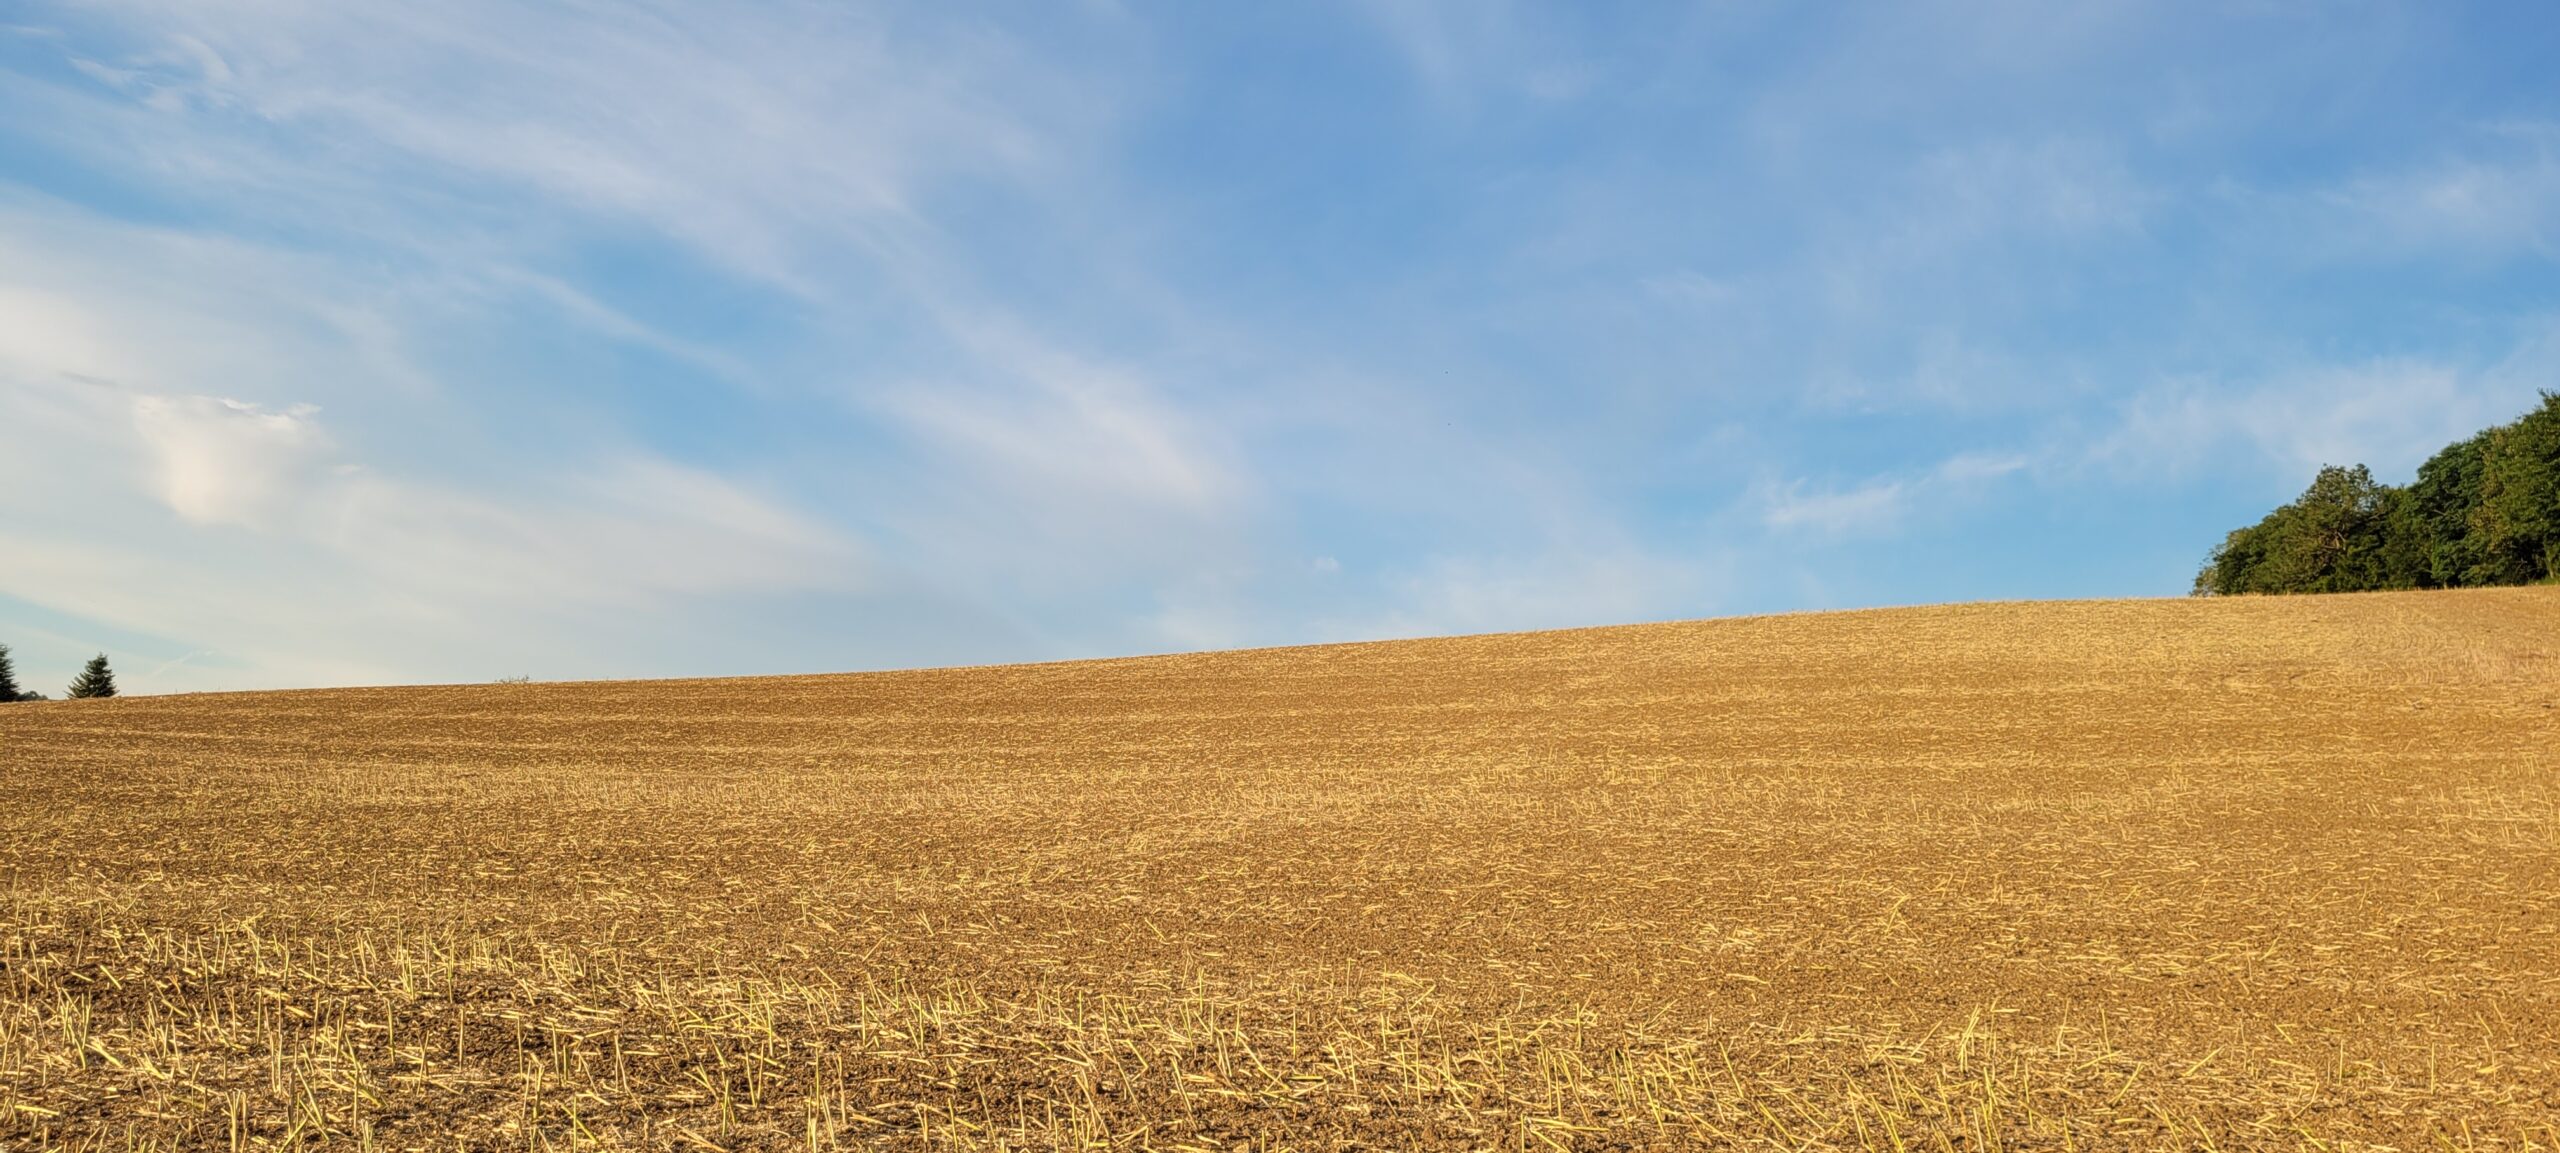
pixel 360 343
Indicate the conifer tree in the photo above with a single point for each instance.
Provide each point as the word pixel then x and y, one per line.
pixel 95 680
pixel 8 677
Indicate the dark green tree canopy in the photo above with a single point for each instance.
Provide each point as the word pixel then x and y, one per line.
pixel 8 677
pixel 95 680
pixel 2484 511
pixel 2518 520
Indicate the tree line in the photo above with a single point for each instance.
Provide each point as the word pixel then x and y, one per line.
pixel 2485 511
pixel 95 680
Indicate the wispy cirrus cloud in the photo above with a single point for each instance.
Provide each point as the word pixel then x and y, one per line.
pixel 2498 199
pixel 1871 505
pixel 686 338
pixel 247 532
pixel 1879 504
pixel 296 388
pixel 2389 414
pixel 744 133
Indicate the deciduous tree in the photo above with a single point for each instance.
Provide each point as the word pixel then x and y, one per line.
pixel 2484 511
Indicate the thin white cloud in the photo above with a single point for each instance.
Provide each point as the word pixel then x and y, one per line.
pixel 1588 582
pixel 1866 507
pixel 1883 504
pixel 287 559
pixel 769 139
pixel 1064 429
pixel 1457 50
pixel 180 312
pixel 42 332
pixel 2497 199
pixel 1982 466
pixel 2388 414
pixel 1690 288
pixel 2052 187
pixel 1037 481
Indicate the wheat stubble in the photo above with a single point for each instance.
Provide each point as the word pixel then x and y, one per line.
pixel 2232 874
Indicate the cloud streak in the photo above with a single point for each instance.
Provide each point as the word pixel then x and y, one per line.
pixel 443 341
pixel 272 539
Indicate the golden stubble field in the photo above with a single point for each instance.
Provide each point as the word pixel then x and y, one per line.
pixel 2232 874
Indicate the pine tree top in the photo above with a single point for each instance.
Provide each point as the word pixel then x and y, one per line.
pixel 95 680
pixel 9 690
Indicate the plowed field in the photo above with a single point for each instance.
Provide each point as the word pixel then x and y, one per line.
pixel 2219 874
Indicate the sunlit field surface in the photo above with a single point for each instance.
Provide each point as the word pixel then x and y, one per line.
pixel 2219 874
